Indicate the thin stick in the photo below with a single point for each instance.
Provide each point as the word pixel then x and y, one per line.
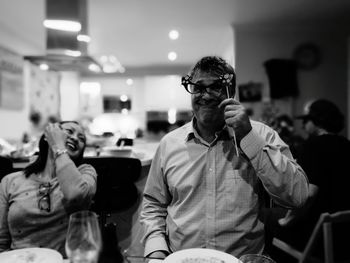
pixel 231 130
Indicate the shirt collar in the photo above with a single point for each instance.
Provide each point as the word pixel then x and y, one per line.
pixel 192 131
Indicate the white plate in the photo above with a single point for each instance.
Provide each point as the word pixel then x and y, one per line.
pixel 31 255
pixel 200 255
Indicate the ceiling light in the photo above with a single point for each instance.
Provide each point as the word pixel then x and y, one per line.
pixel 123 97
pixel 129 82
pixel 72 53
pixel 95 68
pixel 110 64
pixel 64 25
pixel 173 34
pixel 44 66
pixel 172 56
pixel 67 52
pixel 84 38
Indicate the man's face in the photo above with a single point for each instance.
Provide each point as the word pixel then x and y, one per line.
pixel 205 104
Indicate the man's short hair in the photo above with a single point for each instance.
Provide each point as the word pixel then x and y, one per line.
pixel 216 66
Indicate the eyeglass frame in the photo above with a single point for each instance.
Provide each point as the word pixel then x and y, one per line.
pixel 44 193
pixel 224 81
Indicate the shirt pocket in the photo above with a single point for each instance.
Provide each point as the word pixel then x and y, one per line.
pixel 238 189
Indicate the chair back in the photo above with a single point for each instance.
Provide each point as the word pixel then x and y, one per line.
pixel 325 227
pixel 6 166
pixel 125 142
pixel 116 190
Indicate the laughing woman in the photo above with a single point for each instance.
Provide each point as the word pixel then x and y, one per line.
pixel 35 203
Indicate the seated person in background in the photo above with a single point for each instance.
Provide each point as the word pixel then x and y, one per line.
pixel 35 203
pixel 284 125
pixel 324 157
pixel 201 192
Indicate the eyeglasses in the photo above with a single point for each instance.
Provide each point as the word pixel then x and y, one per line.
pixel 44 202
pixel 217 88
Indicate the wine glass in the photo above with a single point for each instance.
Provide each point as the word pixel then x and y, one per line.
pixel 83 242
pixel 256 258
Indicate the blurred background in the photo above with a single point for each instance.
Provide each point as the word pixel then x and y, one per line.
pixel 117 68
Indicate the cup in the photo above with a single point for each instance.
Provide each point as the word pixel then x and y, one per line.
pixel 256 258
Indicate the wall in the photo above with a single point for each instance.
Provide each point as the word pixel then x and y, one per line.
pixel 70 95
pixel 328 80
pixel 15 122
pixel 158 93
pixel 165 92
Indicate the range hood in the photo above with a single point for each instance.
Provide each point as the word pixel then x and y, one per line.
pixel 60 43
pixel 63 62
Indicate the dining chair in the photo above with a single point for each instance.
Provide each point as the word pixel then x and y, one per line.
pixel 6 166
pixel 325 226
pixel 116 190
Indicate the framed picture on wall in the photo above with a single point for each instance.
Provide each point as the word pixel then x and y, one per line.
pixel 250 92
pixel 115 104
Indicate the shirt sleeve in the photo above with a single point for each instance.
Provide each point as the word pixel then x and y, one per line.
pixel 154 208
pixel 282 177
pixel 5 238
pixel 78 184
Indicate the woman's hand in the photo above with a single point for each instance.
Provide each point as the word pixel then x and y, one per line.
pixel 55 136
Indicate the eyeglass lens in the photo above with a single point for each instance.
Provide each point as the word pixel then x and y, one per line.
pixel 44 202
pixel 215 89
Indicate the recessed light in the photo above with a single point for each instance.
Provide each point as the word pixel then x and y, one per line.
pixel 44 66
pixel 173 34
pixel 95 68
pixel 124 98
pixel 172 56
pixel 129 82
pixel 83 38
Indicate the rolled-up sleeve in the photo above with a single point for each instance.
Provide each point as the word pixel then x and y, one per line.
pixel 282 177
pixel 154 208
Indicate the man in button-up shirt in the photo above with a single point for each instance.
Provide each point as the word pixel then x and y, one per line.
pixel 207 180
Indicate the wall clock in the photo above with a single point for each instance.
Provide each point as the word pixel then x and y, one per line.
pixel 307 56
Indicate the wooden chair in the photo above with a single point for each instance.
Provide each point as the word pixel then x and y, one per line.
pixel 116 190
pixel 325 226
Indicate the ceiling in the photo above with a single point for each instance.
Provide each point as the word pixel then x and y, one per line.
pixel 136 31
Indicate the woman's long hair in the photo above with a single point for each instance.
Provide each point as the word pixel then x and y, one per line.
pixel 39 164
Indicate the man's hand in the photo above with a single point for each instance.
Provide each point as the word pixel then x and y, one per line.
pixel 236 117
